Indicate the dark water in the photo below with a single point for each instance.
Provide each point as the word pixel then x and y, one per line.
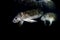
pixel 30 27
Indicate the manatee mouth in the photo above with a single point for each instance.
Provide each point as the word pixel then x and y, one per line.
pixel 47 22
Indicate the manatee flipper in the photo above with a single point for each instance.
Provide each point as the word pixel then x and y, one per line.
pixel 31 21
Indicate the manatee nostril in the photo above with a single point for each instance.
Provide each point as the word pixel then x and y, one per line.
pixel 13 21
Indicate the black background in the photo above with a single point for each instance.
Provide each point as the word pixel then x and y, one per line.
pixel 15 7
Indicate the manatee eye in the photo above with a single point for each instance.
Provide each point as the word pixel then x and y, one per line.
pixel 15 18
